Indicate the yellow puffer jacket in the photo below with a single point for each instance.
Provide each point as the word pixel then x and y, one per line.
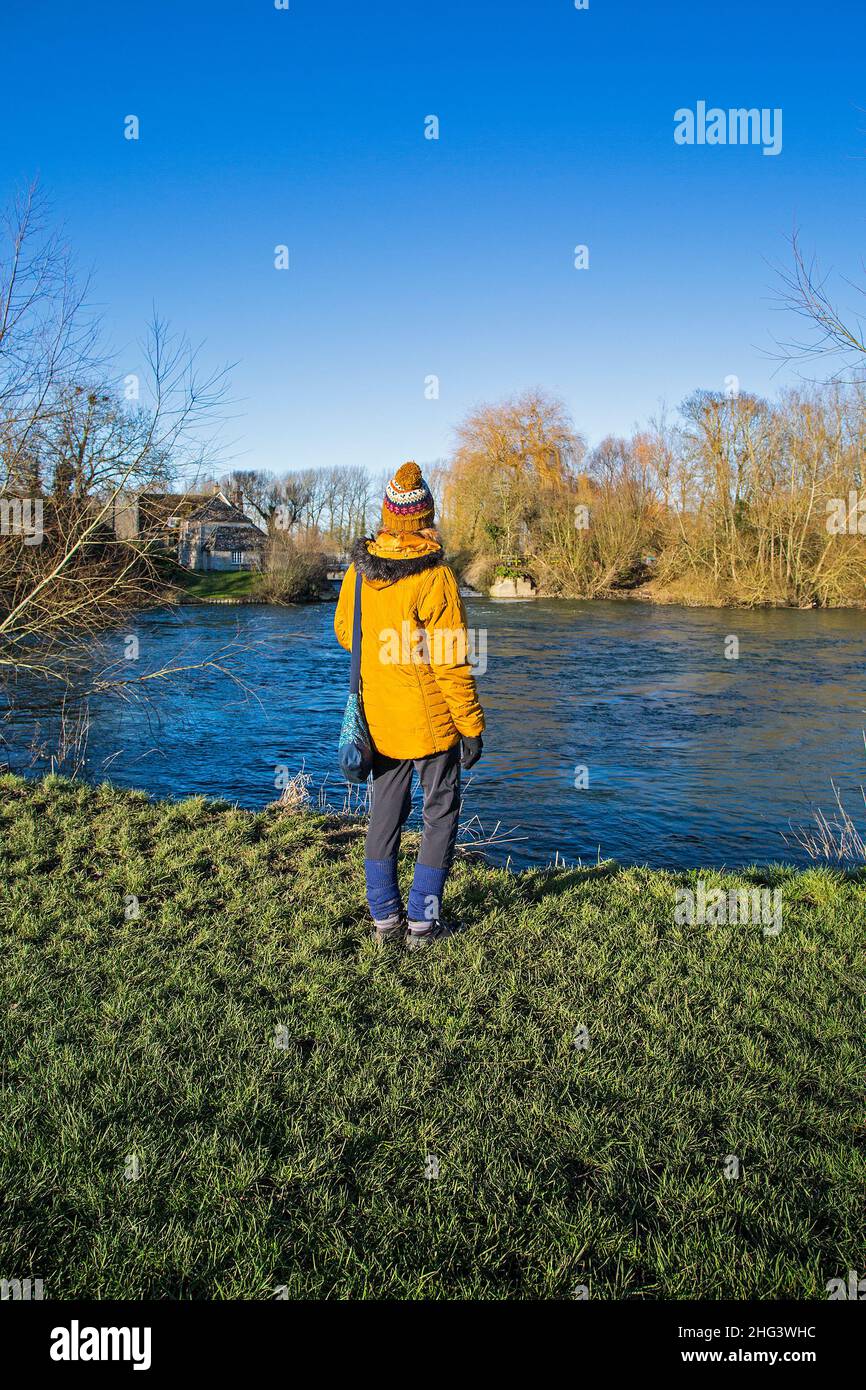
pixel 416 682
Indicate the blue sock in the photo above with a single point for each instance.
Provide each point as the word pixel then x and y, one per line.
pixel 425 899
pixel 383 891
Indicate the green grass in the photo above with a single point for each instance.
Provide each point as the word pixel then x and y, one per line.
pixel 303 1165
pixel 216 584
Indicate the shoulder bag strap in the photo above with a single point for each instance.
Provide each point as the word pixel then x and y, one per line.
pixel 355 669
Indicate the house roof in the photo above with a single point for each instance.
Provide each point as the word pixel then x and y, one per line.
pixel 157 507
pixel 247 537
pixel 216 508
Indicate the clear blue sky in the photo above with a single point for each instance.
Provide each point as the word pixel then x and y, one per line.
pixel 411 257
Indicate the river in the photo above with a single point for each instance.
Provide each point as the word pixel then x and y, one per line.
pixel 620 729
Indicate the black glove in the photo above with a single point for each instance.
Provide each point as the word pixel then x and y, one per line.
pixel 471 751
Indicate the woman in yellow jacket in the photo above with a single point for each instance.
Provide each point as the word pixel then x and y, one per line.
pixel 419 699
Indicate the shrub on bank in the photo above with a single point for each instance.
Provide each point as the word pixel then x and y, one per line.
pixel 292 572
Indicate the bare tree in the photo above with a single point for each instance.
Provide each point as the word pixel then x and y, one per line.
pixel 258 488
pixel 71 444
pixel 831 332
pixel 46 331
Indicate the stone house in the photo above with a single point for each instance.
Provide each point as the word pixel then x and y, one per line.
pixel 217 535
pixel 204 531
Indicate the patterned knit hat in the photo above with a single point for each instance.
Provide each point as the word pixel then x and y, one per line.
pixel 408 501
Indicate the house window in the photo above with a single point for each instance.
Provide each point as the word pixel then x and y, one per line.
pixel 237 557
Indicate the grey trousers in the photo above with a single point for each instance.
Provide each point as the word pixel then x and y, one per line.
pixel 439 776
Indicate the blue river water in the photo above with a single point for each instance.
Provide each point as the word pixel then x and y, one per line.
pixel 621 729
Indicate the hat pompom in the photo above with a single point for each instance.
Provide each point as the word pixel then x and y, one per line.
pixel 408 476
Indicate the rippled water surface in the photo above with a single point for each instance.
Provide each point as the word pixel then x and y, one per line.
pixel 692 758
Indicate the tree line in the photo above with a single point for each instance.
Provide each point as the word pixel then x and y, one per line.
pixel 334 504
pixel 735 499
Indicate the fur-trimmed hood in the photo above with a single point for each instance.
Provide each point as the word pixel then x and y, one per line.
pixel 385 559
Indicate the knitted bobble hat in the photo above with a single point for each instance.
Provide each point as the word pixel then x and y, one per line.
pixel 408 501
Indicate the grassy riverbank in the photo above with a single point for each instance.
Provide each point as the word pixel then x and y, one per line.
pixel 234 1091
pixel 215 584
pixel 293 583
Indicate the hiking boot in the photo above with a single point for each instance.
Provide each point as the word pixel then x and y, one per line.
pixel 388 929
pixel 422 934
